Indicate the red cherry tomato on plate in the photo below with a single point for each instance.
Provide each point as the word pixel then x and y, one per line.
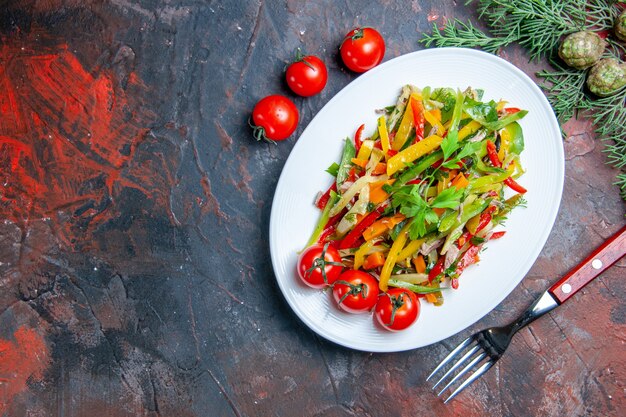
pixel 397 309
pixel 355 291
pixel 319 266
pixel 362 49
pixel 307 75
pixel 274 118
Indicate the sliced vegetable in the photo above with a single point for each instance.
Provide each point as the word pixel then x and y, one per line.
pixel 384 135
pixel 418 117
pixel 374 260
pixel 413 152
pixel 397 246
pixel 345 164
pixel 350 240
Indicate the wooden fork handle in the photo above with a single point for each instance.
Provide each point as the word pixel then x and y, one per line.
pixel 602 258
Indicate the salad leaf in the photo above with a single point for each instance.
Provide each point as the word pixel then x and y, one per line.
pixel 409 200
pixel 517 138
pixel 483 113
pixel 412 205
pixel 451 142
pixel 506 120
pixel 447 97
pixel 468 149
pixel 346 162
pixel 448 198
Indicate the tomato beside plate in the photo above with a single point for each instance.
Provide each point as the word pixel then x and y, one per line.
pixel 362 49
pixel 307 75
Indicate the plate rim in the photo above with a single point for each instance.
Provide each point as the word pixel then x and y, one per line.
pixel 557 198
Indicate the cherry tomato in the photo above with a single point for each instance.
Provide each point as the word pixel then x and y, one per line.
pixel 274 118
pixel 355 291
pixel 362 49
pixel 307 75
pixel 319 266
pixel 397 309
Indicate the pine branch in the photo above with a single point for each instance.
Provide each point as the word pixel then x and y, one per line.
pixel 539 24
pixel 457 33
pixel 564 88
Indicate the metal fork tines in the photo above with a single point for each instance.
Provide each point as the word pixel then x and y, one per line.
pixel 481 350
pixel 477 355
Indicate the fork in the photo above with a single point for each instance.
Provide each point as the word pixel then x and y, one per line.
pixel 486 347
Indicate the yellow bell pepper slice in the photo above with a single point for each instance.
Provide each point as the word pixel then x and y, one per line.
pixel 392 256
pixel 432 119
pixel 384 135
pixel 469 129
pixel 359 255
pixel 410 249
pixel 413 152
pixel 505 143
pixel 366 150
pixel 404 129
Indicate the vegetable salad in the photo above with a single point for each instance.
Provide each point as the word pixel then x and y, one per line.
pixel 414 203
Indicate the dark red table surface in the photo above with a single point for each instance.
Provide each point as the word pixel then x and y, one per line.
pixel 135 273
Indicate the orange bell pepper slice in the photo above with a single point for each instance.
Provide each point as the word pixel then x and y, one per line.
pixel 374 260
pixel 420 264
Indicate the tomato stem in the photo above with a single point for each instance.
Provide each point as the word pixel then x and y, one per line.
pixel 258 132
pixel 300 57
pixel 355 289
pixel 321 263
pixel 396 303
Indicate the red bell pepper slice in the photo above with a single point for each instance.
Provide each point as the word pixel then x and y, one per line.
pixel 350 240
pixel 391 152
pixel 495 161
pixel 513 185
pixel 335 219
pixel 321 203
pixel 469 257
pixel 493 154
pixel 437 269
pixel 455 283
pixel 497 235
pixel 418 119
pixel 327 232
pixel 511 110
pixel 485 218
pixel 357 138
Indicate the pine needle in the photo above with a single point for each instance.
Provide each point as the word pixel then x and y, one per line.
pixel 564 88
pixel 461 34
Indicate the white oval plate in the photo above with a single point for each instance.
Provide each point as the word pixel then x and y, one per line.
pixel 502 265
